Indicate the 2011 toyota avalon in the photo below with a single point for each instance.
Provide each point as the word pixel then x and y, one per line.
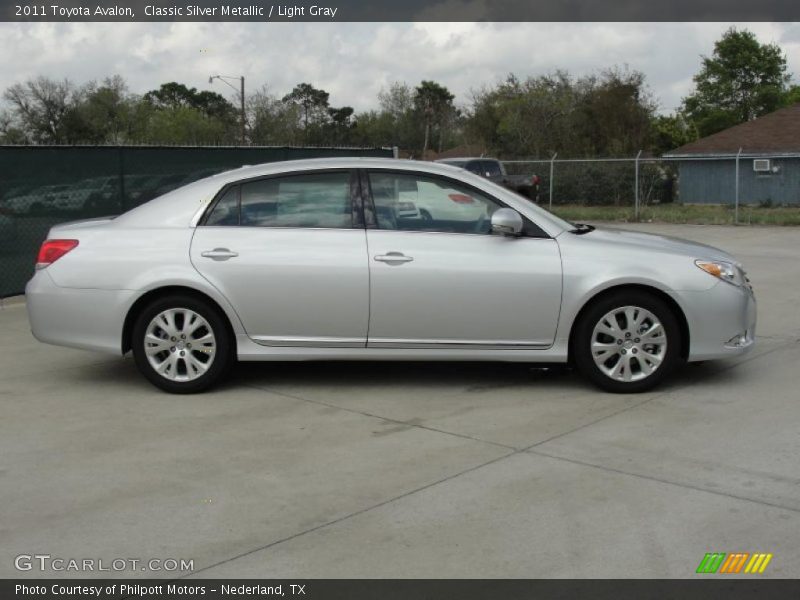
pixel 320 259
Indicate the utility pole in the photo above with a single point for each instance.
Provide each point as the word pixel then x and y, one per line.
pixel 224 79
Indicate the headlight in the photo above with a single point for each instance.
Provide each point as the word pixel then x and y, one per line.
pixel 723 270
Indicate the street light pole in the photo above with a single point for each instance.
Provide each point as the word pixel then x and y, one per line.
pixel 223 79
pixel 244 118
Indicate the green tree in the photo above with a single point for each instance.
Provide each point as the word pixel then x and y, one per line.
pixel 604 114
pixel 614 113
pixel 792 95
pixel 175 95
pixel 313 105
pixel 341 123
pixel 670 132
pixel 742 80
pixel 272 122
pixel 396 123
pixel 104 113
pixel 184 125
pixel 434 104
pixel 534 117
pixel 178 108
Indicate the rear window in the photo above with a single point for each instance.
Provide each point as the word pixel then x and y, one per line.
pixel 316 200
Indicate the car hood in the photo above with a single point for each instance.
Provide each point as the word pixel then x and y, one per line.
pixel 659 243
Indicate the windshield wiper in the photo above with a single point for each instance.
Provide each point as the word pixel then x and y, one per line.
pixel 581 228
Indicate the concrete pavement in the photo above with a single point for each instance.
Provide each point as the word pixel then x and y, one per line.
pixel 411 470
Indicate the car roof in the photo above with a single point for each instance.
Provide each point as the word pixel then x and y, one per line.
pixel 308 164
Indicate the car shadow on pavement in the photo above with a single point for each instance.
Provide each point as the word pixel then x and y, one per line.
pixel 466 377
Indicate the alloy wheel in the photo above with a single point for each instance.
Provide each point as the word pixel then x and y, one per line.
pixel 180 344
pixel 628 343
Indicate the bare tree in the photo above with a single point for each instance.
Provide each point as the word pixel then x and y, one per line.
pixel 41 106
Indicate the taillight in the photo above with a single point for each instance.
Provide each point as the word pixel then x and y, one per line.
pixel 52 250
pixel 461 198
pixel 536 180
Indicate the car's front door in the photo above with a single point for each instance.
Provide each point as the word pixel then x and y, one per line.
pixel 448 282
pixel 289 252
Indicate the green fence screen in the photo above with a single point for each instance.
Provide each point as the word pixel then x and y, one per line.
pixel 43 186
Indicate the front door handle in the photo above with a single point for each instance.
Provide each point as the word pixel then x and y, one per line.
pixel 219 254
pixel 393 258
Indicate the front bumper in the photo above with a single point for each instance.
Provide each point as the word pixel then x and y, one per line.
pixel 722 321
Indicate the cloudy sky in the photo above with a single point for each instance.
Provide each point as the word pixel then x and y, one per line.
pixel 353 61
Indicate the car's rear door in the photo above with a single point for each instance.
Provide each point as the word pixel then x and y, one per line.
pixel 289 253
pixel 448 282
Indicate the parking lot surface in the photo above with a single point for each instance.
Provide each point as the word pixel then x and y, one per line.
pixel 408 469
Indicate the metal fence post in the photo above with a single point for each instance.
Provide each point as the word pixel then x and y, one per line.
pixel 736 198
pixel 636 196
pixel 552 163
pixel 121 188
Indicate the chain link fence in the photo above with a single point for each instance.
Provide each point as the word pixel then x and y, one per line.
pixel 43 186
pixel 638 183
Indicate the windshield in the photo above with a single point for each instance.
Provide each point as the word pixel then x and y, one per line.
pixel 563 223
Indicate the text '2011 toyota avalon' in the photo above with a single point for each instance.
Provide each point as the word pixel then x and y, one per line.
pixel 380 259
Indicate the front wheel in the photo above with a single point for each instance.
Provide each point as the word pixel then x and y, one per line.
pixel 181 344
pixel 627 342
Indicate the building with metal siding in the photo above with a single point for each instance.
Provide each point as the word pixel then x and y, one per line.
pixel 768 150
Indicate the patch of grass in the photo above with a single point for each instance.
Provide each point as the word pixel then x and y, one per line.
pixel 695 214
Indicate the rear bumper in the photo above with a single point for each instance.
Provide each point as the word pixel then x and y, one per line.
pixel 89 319
pixel 722 321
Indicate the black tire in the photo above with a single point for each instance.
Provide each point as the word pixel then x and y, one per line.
pixel 425 215
pixel 582 342
pixel 221 363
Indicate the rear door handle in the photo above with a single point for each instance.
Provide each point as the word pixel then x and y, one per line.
pixel 219 254
pixel 393 258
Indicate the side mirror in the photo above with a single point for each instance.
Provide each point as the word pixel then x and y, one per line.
pixel 506 221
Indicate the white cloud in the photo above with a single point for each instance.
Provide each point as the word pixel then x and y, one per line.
pixel 353 61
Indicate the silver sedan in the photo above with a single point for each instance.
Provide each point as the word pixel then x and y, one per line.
pixel 330 259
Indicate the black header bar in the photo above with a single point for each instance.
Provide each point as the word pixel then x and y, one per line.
pixel 706 588
pixel 399 10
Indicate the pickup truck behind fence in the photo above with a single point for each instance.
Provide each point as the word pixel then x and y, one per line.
pixel 493 170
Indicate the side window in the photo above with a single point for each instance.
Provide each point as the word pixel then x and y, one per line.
pixel 491 168
pixel 474 167
pixel 411 202
pixel 313 200
pixel 226 211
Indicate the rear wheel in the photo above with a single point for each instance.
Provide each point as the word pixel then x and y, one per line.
pixel 181 344
pixel 627 342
